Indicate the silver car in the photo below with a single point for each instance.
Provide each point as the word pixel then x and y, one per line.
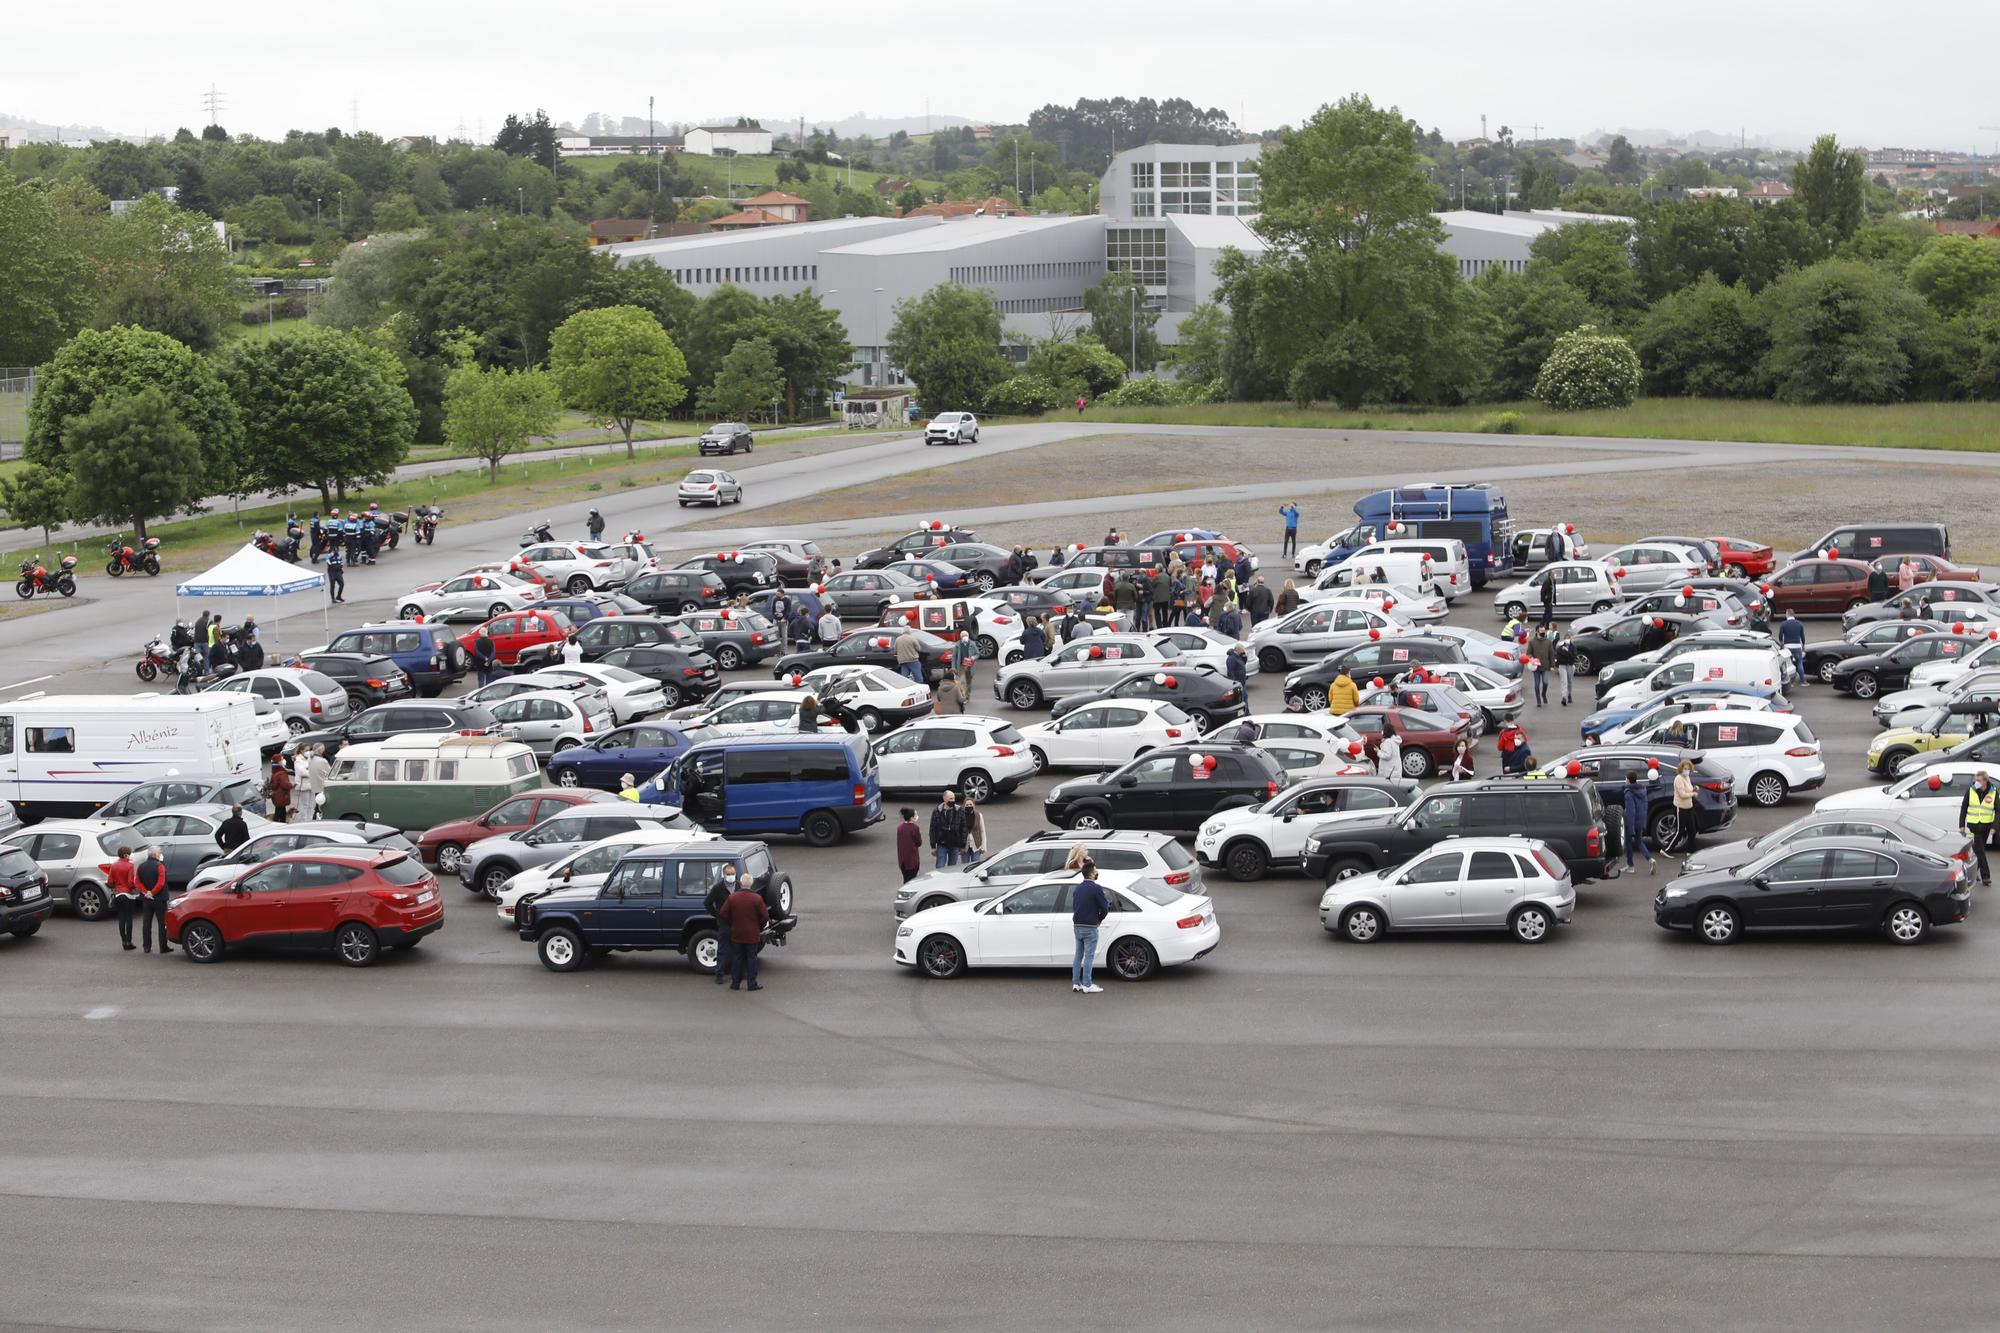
pixel 1089 663
pixel 1316 629
pixel 1581 586
pixel 1519 885
pixel 147 797
pixel 70 852
pixel 549 721
pixel 480 596
pixel 1161 860
pixel 306 699
pixel 1713 608
pixel 491 862
pixel 185 835
pixel 1650 567
pixel 267 842
pixel 581 567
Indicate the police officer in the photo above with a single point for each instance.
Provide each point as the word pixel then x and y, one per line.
pixel 318 540
pixel 1975 820
pixel 336 572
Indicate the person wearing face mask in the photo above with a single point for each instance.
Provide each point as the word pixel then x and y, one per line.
pixel 718 895
pixel 744 916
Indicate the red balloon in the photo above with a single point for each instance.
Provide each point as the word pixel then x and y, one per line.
pixel 1569 529
pixel 1096 652
pixel 1687 590
pixel 1618 573
pixel 1658 623
pixel 1354 747
pixel 1653 764
pixel 1374 634
pixel 1934 782
pixel 797 679
pixel 1958 628
pixel 1388 604
pixel 1208 761
pixel 1173 682
pixel 1575 769
pixel 1376 683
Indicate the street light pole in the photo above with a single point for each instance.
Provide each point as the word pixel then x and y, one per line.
pixel 521 200
pixel 316 204
pixel 1135 330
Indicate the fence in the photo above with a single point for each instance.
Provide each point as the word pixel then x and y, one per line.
pixel 17 386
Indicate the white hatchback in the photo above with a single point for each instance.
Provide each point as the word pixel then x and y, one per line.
pixel 1767 755
pixel 1149 927
pixel 630 695
pixel 973 755
pixel 1398 597
pixel 1106 735
pixel 1253 839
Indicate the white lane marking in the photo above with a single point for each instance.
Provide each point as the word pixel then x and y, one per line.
pixel 33 680
pixel 102 1011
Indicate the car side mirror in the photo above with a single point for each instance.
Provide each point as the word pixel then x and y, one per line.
pixel 1129 780
pixel 1289 816
pixel 1761 881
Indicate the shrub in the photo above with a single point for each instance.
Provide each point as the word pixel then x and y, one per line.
pixel 1147 392
pixel 1022 396
pixel 1500 423
pixel 1589 369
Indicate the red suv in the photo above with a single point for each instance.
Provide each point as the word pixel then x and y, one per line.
pixel 443 845
pixel 352 900
pixel 517 630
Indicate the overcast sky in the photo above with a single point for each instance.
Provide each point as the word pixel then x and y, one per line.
pixel 1779 68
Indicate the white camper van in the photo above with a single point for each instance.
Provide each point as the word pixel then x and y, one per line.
pixel 67 754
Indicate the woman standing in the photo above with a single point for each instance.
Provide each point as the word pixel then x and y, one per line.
pixel 975 834
pixel 1684 806
pixel 1288 600
pixel 1461 762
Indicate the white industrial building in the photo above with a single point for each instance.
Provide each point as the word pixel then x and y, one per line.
pixel 708 140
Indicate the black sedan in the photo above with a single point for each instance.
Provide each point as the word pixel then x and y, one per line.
pixel 1031 600
pixel 684 675
pixel 1206 699
pixel 741 572
pixel 368 680
pixel 938 575
pixel 1822 657
pixel 1937 592
pixel 1631 636
pixel 921 542
pixel 676 591
pixel 1866 677
pixel 1609 765
pixel 1166 789
pixel 1365 661
pixel 800 563
pixel 984 563
pixel 874 645
pixel 1821 884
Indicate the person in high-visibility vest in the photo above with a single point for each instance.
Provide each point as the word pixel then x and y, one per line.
pixel 1975 820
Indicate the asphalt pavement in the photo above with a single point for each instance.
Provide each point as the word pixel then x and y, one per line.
pixel 1618 1129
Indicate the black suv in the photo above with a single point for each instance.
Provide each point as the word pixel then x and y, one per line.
pixel 1625 639
pixel 684 674
pixel 1363 662
pixel 25 901
pixel 1207 699
pixel 1166 789
pixel 741 572
pixel 675 592
pixel 655 898
pixel 368 679
pixel 415 715
pixel 1608 765
pixel 1566 815
pixel 912 545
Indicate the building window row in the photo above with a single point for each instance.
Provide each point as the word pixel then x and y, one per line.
pixel 1031 305
pixel 979 275
pixel 1472 268
pixel 746 273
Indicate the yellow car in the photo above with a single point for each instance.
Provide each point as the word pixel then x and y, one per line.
pixel 1936 729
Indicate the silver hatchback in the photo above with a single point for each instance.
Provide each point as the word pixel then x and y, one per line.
pixel 1519 885
pixel 306 699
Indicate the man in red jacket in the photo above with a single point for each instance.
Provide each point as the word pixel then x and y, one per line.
pixel 124 893
pixel 151 877
pixel 744 916
pixel 909 845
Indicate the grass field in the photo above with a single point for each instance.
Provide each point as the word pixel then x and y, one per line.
pixel 1966 426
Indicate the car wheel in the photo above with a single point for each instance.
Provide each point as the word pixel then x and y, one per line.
pixel 689 607
pixel 1417 763
pixel 1717 923
pixel 1024 694
pixel 987 646
pixel 497 609
pixel 356 700
pixel 295 726
pixel 89 902
pixel 975 785
pixel 821 828
pixel 870 720
pixel 1199 723
pixel 1906 923
pixel 1040 760
pixel 1665 830
pixel 1733 571
pixel 1856 604
pixel 201 941
pixel 1132 959
pixel 705 952
pixel 941 956
pixel 1014 655
pixel 1584 666
pixel 1313 697
pixel 450 856
pixel 670 695
pixel 1270 659
pixel 684 504
pixel 408 611
pixel 566 743
pixel 1515 610
pixel 578 584
pixel 355 945
pixel 1598 608
pixel 728 658
pixel 1245 860
pixel 1893 760
pixel 569 777
pixel 1312 568
pixel 1361 925
pixel 1345 869
pixel 1768 789
pixel 1865 685
pixel 561 950
pixel 1087 820
pixel 1826 670
pixel 1531 923
pixel 494 878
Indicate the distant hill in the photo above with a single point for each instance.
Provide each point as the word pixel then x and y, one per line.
pixel 26 129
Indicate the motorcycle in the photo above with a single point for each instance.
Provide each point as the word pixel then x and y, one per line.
pixel 145 557
pixel 286 550
pixel 428 518
pixel 538 535
pixel 35 578
pixel 158 657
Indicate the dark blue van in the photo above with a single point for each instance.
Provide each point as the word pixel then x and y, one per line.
pixel 429 654
pixel 823 787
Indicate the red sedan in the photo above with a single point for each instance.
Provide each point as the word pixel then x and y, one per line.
pixel 354 901
pixel 1929 568
pixel 1744 560
pixel 1427 747
pixel 443 845
pixel 517 630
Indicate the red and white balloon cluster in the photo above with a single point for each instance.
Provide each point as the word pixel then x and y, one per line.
pixel 1205 762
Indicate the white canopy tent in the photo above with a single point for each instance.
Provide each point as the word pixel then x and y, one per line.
pixel 250 573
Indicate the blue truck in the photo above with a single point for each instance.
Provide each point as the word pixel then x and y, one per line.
pixel 1473 512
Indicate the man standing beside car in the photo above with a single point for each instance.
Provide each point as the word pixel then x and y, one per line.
pixel 151 876
pixel 1088 908
pixel 124 888
pixel 1975 820
pixel 744 914
pixel 910 656
pixel 948 830
pixel 484 654
pixel 232 832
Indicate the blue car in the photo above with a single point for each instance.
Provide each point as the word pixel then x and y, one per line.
pixel 580 610
pixel 641 749
pixel 944 577
pixel 765 603
pixel 1689 696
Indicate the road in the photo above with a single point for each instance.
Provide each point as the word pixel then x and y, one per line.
pixel 1620 1129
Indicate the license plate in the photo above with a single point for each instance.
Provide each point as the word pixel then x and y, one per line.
pixel 32 891
pixel 425 896
pixel 707 672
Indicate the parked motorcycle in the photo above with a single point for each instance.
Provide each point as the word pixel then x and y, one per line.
pixel 539 534
pixel 144 557
pixel 428 518
pixel 286 549
pixel 157 658
pixel 35 578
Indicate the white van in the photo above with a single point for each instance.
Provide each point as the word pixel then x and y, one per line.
pixel 1408 568
pixel 67 754
pixel 1451 568
pixel 1710 666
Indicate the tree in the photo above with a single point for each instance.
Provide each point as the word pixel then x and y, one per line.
pixel 531 137
pixel 726 316
pixel 1533 309
pixel 617 365
pixel 1841 332
pixel 1541 187
pixel 1704 340
pixel 1024 395
pixel 909 197
pixel 121 170
pixel 747 382
pixel 1118 313
pixel 1955 273
pixel 1831 183
pixel 133 459
pixel 1622 163
pixel 1204 342
pixel 1594 258
pixel 1353 299
pixel 492 412
pixel 1588 369
pixel 37 497
pixel 163 310
pixel 811 346
pixel 1080 365
pixel 160 259
pixel 320 409
pixel 370 280
pixel 47 284
pixel 264 218
pixel 99 363
pixel 948 341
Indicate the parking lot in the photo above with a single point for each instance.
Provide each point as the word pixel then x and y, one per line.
pixel 1620 1128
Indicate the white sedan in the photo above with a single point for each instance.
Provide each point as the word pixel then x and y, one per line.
pixel 587 866
pixel 1202 648
pixel 973 755
pixel 1914 795
pixel 1493 692
pixel 1105 735
pixel 767 713
pixel 581 567
pixel 631 695
pixel 1406 601
pixel 1307 760
pixel 1073 579
pixel 472 596
pixel 880 698
pixel 1149 927
pixel 1253 839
